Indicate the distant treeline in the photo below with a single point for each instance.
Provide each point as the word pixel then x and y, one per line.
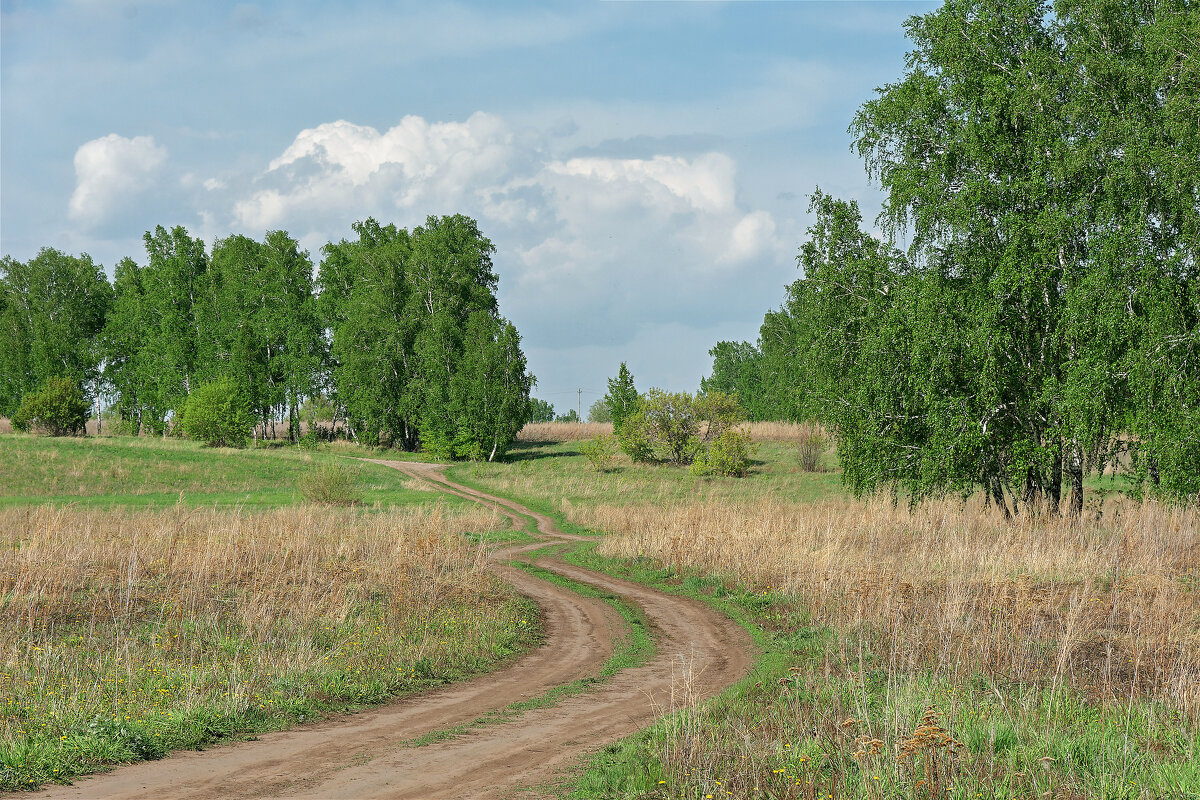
pixel 400 331
pixel 1041 165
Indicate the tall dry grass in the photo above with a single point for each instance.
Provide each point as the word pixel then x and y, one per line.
pixel 1109 607
pixel 562 431
pixel 790 432
pixel 5 425
pixel 143 618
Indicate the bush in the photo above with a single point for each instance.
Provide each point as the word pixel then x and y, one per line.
pixel 728 455
pixel 331 485
pixel 600 452
pixel 676 426
pixel 216 414
pixel 811 444
pixel 57 408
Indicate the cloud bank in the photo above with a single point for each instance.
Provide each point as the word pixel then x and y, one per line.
pixel 589 247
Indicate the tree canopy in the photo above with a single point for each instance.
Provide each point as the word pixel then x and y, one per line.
pixel 400 333
pixel 1040 318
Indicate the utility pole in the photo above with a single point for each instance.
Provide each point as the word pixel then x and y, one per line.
pixel 579 404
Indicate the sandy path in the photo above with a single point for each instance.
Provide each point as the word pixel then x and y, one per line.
pixel 364 755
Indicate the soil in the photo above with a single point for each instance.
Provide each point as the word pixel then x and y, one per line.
pixel 370 755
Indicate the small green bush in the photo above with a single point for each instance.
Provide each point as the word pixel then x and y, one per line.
pixel 810 446
pixel 727 455
pixel 331 485
pixel 215 413
pixel 600 451
pixel 57 408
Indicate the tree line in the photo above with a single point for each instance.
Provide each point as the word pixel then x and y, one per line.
pixel 1029 310
pixel 398 332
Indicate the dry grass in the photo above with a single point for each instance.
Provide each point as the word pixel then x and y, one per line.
pixel 934 654
pixel 562 431
pixel 1110 607
pixel 790 432
pixel 143 619
pixel 5 425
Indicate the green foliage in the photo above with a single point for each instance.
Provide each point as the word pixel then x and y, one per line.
pixel 540 410
pixel 571 416
pixel 52 309
pixel 420 358
pixel 727 455
pixel 675 426
pixel 1044 321
pixel 600 451
pixel 332 484
pixel 599 412
pixel 738 369
pixel 217 414
pixel 57 408
pixel 622 398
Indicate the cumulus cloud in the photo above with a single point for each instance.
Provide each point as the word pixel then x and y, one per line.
pixel 590 246
pixel 110 172
pixel 414 164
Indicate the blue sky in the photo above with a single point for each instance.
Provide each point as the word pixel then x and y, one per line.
pixel 642 167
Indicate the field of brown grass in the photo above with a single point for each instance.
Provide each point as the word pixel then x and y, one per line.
pixel 562 431
pixel 119 629
pixel 1109 606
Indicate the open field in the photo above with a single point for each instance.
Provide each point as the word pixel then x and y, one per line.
pixel 127 634
pixel 129 471
pixel 938 652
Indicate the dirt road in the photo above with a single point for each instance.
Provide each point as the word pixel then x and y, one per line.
pixel 366 755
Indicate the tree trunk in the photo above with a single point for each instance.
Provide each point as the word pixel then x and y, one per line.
pixel 1075 471
pixel 1056 474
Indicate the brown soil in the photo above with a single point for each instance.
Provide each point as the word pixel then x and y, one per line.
pixel 367 755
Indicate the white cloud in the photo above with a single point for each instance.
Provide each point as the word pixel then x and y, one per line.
pixel 414 164
pixel 111 171
pixel 589 247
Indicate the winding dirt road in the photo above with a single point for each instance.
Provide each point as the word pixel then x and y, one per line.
pixel 367 755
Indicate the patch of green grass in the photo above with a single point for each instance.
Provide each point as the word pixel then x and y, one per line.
pixel 150 472
pixel 550 476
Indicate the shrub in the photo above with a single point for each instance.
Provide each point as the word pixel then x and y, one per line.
pixel 600 451
pixel 331 485
pixel 57 408
pixel 728 455
pixel 811 444
pixel 215 413
pixel 676 426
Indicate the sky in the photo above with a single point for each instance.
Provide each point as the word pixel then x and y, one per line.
pixel 643 168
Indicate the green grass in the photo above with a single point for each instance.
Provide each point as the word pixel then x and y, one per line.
pixel 150 472
pixel 546 475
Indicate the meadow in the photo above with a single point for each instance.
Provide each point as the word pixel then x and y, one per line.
pixel 930 652
pixel 237 607
pixel 151 472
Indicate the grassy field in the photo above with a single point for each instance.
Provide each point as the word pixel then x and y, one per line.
pixel 151 472
pixel 933 653
pixel 126 634
pixel 157 595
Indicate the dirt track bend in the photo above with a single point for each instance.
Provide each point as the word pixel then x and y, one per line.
pixel 365 756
